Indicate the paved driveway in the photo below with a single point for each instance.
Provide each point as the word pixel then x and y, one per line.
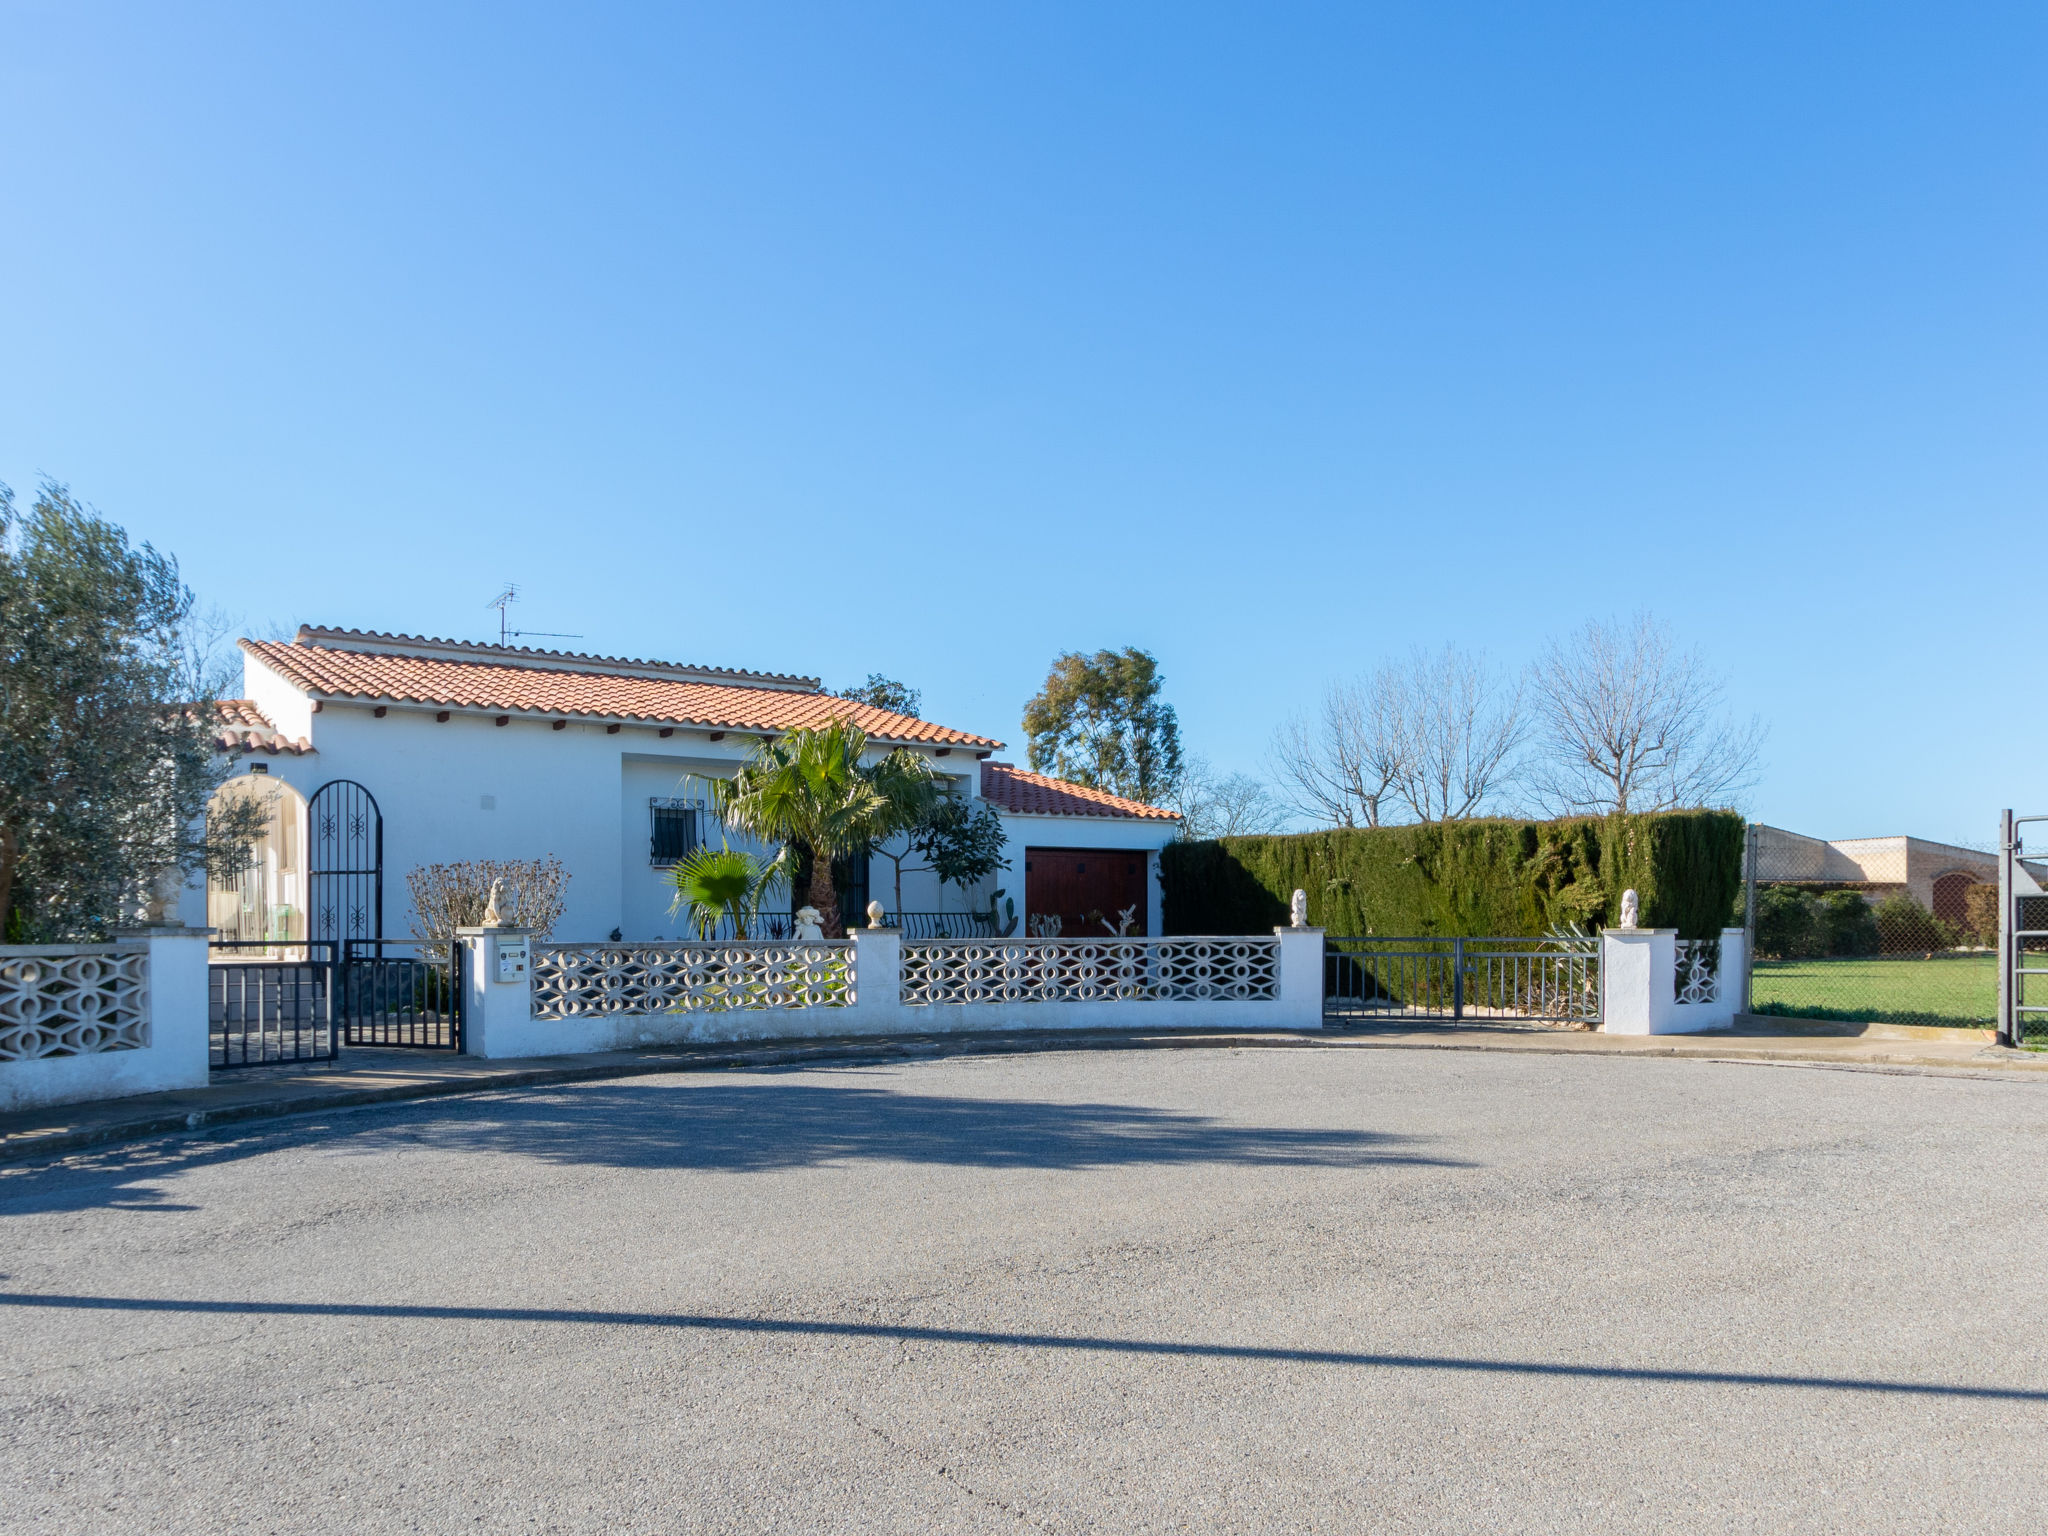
pixel 1169 1290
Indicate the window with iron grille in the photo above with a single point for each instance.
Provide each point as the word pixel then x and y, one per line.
pixel 673 831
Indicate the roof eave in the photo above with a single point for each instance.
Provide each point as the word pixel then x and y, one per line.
pixel 392 701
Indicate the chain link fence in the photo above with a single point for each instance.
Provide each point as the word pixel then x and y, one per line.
pixel 1855 932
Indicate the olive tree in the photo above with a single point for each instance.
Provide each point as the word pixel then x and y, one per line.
pixel 107 756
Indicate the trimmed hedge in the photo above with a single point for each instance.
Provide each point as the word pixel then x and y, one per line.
pixel 1464 878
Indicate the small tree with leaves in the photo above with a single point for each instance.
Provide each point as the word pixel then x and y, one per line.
pixel 107 753
pixel 884 693
pixel 961 844
pixel 1100 721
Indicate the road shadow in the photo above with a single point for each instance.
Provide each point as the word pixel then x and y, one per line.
pixel 717 1323
pixel 721 1125
pixel 758 1126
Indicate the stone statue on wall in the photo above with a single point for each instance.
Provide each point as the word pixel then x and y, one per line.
pixel 493 918
pixel 1299 910
pixel 878 915
pixel 809 923
pixel 1631 909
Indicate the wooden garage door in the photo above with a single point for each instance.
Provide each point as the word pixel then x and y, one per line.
pixel 1084 887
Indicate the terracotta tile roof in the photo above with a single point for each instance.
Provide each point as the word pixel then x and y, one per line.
pixel 378 641
pixel 1009 788
pixel 243 728
pixel 492 679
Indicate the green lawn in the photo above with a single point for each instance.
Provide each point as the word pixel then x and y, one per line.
pixel 1960 990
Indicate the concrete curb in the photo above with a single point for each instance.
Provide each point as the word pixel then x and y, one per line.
pixel 154 1120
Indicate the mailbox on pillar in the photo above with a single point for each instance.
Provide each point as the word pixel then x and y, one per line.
pixel 509 956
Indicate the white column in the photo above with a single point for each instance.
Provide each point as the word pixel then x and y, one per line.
pixel 177 1005
pixel 1638 976
pixel 877 981
pixel 1301 978
pixel 497 993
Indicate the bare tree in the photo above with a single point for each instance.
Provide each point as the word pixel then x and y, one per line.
pixel 1224 805
pixel 1341 765
pixel 1626 724
pixel 1434 735
pixel 1462 727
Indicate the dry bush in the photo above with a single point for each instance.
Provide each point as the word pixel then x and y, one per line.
pixel 446 897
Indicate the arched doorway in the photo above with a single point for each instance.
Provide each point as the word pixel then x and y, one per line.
pixel 264 900
pixel 345 896
pixel 1951 896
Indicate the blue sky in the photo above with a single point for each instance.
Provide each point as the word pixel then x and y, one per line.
pixel 934 339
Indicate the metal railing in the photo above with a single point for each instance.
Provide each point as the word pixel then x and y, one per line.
pixel 944 925
pixel 1539 981
pixel 269 1002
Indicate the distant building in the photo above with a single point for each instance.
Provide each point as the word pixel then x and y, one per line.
pixel 1934 874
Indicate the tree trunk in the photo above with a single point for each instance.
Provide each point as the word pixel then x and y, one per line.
pixel 10 853
pixel 825 897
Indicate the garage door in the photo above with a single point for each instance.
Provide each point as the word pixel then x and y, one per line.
pixel 1086 888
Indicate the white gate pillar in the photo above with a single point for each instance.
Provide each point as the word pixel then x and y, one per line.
pixel 1301 978
pixel 497 993
pixel 1638 981
pixel 877 981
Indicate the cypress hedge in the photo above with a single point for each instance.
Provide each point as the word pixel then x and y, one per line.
pixel 1464 878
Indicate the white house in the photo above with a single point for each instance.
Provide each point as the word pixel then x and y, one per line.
pixel 380 753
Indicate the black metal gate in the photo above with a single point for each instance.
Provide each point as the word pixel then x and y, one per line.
pixel 401 992
pixel 1367 979
pixel 270 1003
pixel 345 883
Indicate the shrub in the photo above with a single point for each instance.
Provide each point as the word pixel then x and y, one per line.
pixel 1467 877
pixel 1903 926
pixel 446 897
pixel 1787 924
pixel 1980 915
pixel 1846 923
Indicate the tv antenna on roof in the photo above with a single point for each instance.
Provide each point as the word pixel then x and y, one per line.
pixel 503 603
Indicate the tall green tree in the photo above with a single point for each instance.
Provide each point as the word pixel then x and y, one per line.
pixel 1099 721
pixel 811 789
pixel 106 754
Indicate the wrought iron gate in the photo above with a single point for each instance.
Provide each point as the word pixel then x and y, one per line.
pixel 2022 934
pixel 402 992
pixel 345 886
pixel 270 1003
pixel 1539 981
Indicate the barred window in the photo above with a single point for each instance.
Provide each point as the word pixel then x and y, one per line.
pixel 673 833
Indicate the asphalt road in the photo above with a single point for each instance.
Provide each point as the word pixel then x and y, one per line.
pixel 1170 1290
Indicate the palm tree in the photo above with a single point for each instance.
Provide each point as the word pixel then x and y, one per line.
pixel 724 882
pixel 810 789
